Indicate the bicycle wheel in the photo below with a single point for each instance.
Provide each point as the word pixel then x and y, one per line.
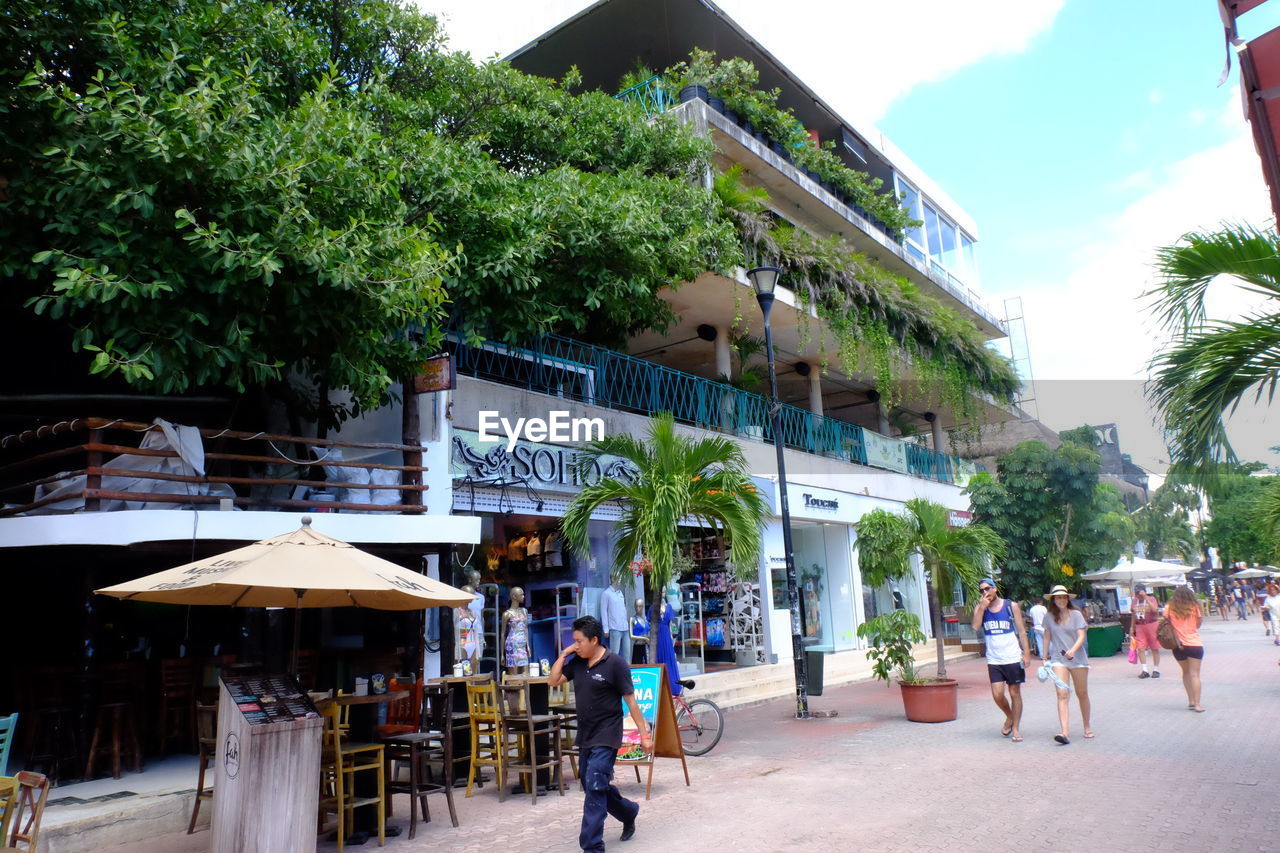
pixel 701 722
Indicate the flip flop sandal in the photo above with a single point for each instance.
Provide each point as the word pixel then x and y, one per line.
pixel 1062 740
pixel 1017 738
pixel 1007 732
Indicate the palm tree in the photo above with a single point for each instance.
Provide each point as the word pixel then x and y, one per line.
pixel 1210 366
pixel 886 541
pixel 674 479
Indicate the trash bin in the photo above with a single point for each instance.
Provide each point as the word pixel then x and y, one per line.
pixel 1103 641
pixel 813 665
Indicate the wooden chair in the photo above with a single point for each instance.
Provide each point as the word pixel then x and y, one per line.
pixel 489 745
pixel 9 798
pixel 561 702
pixel 177 702
pixel 8 728
pixel 33 794
pixel 519 720
pixel 339 762
pixel 432 742
pixel 207 733
pixel 116 718
pixel 403 715
pixel 53 733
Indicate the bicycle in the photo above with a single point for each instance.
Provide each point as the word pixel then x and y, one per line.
pixel 700 722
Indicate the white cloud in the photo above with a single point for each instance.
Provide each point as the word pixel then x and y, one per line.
pixel 1103 277
pixel 1155 96
pixel 860 57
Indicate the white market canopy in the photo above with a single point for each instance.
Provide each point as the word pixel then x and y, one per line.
pixel 1137 569
pixel 1246 574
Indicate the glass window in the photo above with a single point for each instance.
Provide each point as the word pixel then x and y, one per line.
pixel 911 203
pixel 968 260
pixel 950 244
pixel 932 227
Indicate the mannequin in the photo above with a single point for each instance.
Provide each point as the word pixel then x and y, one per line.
pixel 515 634
pixel 468 631
pixel 639 634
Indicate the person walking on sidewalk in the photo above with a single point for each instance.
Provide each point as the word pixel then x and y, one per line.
pixel 1146 614
pixel 1065 631
pixel 601 681
pixel 1183 612
pixel 1037 614
pixel 1008 655
pixel 1238 595
pixel 1271 607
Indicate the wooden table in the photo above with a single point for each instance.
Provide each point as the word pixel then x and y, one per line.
pixel 364 724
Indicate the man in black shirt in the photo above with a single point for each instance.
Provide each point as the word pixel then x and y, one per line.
pixel 601 680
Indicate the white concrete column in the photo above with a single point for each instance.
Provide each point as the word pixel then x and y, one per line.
pixel 724 363
pixel 939 440
pixel 815 389
pixel 882 419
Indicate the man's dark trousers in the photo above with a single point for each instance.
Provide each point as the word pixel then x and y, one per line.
pixel 602 797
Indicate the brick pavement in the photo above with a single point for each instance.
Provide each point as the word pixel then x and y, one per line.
pixel 1156 775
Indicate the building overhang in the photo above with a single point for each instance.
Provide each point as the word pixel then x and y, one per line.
pixel 130 528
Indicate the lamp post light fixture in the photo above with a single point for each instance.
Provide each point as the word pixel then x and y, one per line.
pixel 765 280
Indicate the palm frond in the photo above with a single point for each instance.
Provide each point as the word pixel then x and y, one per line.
pixel 1188 269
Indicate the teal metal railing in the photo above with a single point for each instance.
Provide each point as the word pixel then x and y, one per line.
pixel 651 94
pixel 561 367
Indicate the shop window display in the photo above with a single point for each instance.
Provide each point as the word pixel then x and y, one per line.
pixel 724 637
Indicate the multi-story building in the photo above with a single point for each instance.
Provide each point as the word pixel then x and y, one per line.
pixel 846 452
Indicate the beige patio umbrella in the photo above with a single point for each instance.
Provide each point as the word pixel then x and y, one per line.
pixel 301 569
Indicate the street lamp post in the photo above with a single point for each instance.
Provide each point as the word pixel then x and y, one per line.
pixel 764 280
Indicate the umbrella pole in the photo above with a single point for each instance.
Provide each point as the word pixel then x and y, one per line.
pixel 297 634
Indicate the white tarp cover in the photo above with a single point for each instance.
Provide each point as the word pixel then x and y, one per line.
pixel 185 440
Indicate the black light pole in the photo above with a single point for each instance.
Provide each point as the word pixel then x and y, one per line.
pixel 764 280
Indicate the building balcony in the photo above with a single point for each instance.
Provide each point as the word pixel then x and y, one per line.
pixel 101 481
pixel 805 199
pixel 559 367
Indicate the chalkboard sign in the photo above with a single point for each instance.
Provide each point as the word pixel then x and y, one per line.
pixel 653 696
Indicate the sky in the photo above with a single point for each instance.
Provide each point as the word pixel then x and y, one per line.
pixel 1081 135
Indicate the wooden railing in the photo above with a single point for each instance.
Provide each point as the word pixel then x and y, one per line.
pixel 232 455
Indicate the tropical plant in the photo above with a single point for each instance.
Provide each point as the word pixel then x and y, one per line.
pixel 673 479
pixel 887 540
pixel 1164 524
pixel 891 639
pixel 1055 516
pixel 1239 526
pixel 745 348
pixel 1267 509
pixel 1211 366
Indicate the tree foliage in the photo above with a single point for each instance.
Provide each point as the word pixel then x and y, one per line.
pixel 887 540
pixel 1056 518
pixel 1210 366
pixel 1240 523
pixel 222 193
pixel 673 479
pixel 1164 524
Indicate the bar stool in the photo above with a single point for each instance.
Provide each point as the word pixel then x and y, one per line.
pixel 177 701
pixel 489 746
pixel 339 762
pixel 117 719
pixel 52 726
pixel 518 719
pixel 207 731
pixel 433 742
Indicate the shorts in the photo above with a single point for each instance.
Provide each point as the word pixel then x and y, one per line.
pixel 1006 673
pixel 1144 636
pixel 1185 652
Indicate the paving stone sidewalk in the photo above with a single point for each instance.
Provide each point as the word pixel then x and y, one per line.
pixel 1157 776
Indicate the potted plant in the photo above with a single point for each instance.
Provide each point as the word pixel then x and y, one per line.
pixel 891 639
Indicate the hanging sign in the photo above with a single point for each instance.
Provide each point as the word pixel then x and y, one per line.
pixel 885 452
pixel 653 696
pixel 438 373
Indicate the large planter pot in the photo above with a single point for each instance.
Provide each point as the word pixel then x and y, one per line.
pixel 689 93
pixel 716 104
pixel 929 701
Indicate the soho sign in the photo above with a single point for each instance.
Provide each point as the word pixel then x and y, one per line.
pixel 543 465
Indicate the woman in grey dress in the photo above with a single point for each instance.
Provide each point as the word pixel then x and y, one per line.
pixel 1065 630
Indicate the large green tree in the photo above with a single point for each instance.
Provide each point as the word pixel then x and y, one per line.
pixel 1163 525
pixel 887 540
pixel 1210 366
pixel 222 193
pixel 1239 526
pixel 1056 518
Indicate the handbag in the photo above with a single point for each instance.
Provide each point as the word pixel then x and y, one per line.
pixel 1133 655
pixel 1166 635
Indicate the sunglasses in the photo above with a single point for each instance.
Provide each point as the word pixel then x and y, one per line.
pixel 985 588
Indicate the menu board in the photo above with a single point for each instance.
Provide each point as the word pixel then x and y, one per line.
pixel 264 699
